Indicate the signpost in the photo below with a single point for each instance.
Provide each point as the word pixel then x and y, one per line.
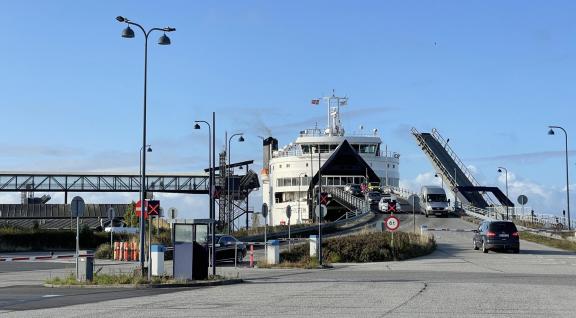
pixel 522 200
pixel 414 198
pixel 77 207
pixel 288 215
pixel 111 216
pixel 265 215
pixel 392 224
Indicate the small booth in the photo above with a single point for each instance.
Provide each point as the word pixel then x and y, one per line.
pixel 190 237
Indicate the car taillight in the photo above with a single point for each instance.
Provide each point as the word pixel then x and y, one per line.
pixel 515 234
pixel 490 234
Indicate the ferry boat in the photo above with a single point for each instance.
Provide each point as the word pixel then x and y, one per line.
pixel 290 172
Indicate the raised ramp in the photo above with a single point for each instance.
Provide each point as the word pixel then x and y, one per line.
pixel 449 166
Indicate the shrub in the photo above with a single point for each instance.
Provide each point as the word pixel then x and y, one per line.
pixel 104 251
pixel 376 247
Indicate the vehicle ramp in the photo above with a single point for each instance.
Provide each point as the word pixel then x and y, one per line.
pixel 450 168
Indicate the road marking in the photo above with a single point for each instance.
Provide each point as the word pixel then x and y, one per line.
pixel 50 296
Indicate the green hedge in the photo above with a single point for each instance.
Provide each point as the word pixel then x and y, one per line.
pixel 366 247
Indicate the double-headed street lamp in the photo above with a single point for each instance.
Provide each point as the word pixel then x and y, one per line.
pixel 164 40
pixel 551 132
pixel 506 174
pixel 228 174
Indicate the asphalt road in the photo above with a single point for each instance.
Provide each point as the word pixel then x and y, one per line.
pixel 454 281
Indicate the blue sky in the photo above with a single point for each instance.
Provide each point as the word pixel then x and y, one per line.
pixel 489 75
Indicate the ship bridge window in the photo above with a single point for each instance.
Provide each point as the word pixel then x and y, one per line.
pixel 305 149
pixel 333 147
pixel 356 147
pixel 324 148
pixel 367 148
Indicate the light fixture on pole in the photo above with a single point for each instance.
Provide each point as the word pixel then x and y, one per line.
pixel 319 209
pixel 551 132
pixel 164 40
pixel 148 149
pixel 506 174
pixel 210 185
pixel 228 174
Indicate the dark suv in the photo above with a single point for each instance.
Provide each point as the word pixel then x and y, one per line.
pixel 497 235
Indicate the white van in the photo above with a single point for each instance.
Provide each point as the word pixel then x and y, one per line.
pixel 433 201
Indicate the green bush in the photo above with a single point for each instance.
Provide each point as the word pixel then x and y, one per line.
pixel 376 247
pixel 366 247
pixel 104 251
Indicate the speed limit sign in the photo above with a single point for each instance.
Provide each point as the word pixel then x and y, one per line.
pixel 392 223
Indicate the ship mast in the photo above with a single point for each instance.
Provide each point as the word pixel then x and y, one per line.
pixel 334 125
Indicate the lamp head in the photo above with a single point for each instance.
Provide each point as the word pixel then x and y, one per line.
pixel 121 19
pixel 551 132
pixel 196 126
pixel 241 139
pixel 128 33
pixel 164 40
pixel 500 170
pixel 149 149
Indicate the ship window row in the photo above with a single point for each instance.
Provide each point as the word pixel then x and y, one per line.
pixel 326 148
pixel 328 180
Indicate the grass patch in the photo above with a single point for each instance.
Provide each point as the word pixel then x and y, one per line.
pixel 548 241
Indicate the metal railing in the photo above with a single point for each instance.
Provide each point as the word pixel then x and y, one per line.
pixel 359 204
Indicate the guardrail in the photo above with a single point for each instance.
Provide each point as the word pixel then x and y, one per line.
pixel 41 258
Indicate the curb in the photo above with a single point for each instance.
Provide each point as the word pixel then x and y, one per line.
pixel 145 286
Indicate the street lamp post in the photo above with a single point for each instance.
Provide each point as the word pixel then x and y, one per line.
pixel 164 40
pixel 506 174
pixel 455 190
pixel 241 139
pixel 299 185
pixel 551 132
pixel 210 185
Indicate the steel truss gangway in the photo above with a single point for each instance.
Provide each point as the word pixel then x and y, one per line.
pixel 102 182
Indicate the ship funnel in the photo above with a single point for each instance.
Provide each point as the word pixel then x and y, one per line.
pixel 270 145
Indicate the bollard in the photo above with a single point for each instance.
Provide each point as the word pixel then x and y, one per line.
pixel 251 255
pixel 273 249
pixel 129 255
pixel 121 252
pixel 116 251
pixel 423 229
pixel 313 245
pixel 134 251
pixel 126 251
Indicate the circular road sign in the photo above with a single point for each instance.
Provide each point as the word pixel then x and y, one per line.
pixel 392 223
pixel 288 211
pixel 111 213
pixel 78 207
pixel 264 210
pixel 522 199
pixel 317 210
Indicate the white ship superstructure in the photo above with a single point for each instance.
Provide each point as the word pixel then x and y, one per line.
pixel 288 171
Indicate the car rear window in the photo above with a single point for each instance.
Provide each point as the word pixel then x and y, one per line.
pixel 507 227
